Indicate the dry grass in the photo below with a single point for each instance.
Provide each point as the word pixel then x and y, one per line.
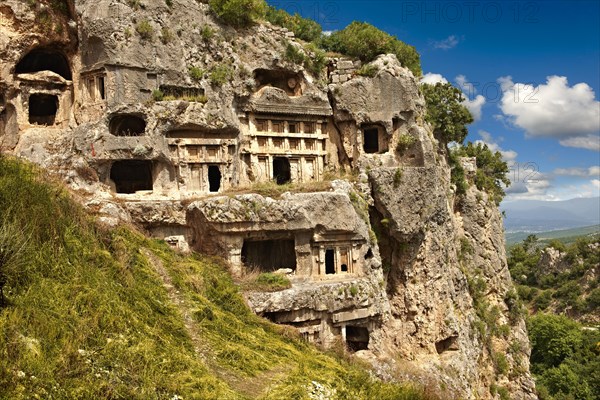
pixel 273 190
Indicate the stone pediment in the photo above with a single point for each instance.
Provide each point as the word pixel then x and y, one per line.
pixel 272 100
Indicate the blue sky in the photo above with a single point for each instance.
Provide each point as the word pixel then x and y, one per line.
pixel 531 70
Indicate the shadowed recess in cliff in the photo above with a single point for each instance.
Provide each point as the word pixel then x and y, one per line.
pixel 45 59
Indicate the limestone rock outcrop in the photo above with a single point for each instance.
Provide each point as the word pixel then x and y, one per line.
pixel 163 117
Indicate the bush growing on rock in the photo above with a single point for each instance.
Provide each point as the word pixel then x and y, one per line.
pixel 364 41
pixel 144 29
pixel 303 28
pixel 220 75
pixel 239 13
pixel 492 171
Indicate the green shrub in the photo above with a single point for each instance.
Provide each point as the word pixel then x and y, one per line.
pixel 239 13
pixel 515 307
pixel 303 28
pixel 457 173
pixel 207 33
pixel 316 62
pixel 368 70
pixel 503 393
pixel 158 95
pixel 144 29
pixel 569 292
pixel 500 363
pixel 196 73
pixel 364 41
pixel 543 300
pixel 397 177
pixel 405 142
pixel 220 74
pixel 593 299
pixel 465 250
pixel 294 55
pixel 166 35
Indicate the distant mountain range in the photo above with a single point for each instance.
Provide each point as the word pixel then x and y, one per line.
pixel 541 216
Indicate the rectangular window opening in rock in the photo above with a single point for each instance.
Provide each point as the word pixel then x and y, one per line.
pixel 371 140
pixel 357 338
pixel 281 170
pixel 329 262
pixel 212 151
pixel 269 255
pixel 101 87
pixel 130 176
pixel 42 108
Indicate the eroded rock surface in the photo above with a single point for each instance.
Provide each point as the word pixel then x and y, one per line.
pixel 162 116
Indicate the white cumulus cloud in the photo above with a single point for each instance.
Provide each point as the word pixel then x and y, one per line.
pixel 554 109
pixel 507 155
pixel 431 78
pixel 473 102
pixel 474 106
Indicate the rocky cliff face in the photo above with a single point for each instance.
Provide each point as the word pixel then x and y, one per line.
pixel 158 115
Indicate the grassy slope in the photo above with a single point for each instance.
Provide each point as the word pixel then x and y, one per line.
pixel 91 313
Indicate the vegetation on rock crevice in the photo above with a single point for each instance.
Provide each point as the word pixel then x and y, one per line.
pixel 89 313
pixel 366 42
pixel 492 170
pixel 358 40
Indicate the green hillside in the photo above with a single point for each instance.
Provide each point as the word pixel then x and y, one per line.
pixel 93 313
pixel 563 301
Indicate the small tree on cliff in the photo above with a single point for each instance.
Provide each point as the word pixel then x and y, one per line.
pixel 446 113
pixel 491 169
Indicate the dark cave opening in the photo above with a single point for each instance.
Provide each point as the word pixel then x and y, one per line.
pixel 281 170
pixel 42 108
pixel 130 176
pixel 269 255
pixel 127 125
pixel 44 59
pixel 214 178
pixel 357 338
